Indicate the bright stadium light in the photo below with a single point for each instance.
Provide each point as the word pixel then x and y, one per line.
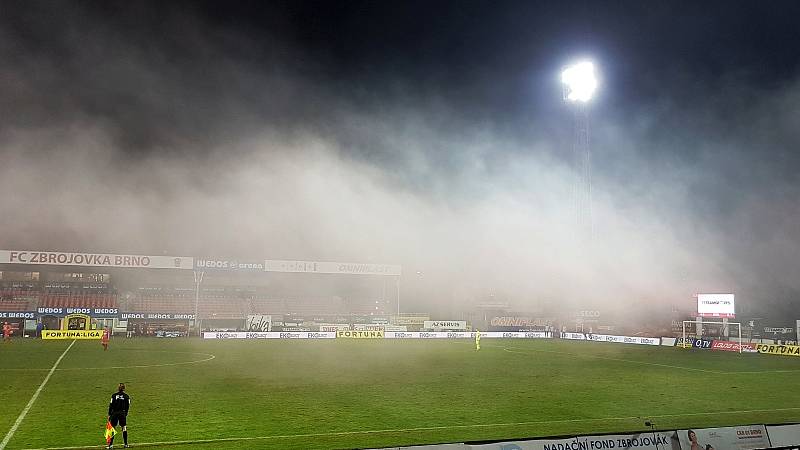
pixel 579 81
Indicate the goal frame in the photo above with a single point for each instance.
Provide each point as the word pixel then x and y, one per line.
pixel 720 323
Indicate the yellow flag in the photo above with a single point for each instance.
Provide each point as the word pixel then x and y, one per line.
pixel 110 432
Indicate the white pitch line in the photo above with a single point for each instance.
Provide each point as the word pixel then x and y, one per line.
pixel 210 357
pixel 33 399
pixel 406 430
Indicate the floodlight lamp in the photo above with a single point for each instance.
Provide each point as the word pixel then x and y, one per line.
pixel 580 82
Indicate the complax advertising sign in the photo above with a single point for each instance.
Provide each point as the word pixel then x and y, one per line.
pixel 624 339
pixel 94 312
pixel 360 334
pixel 94 260
pixel 445 324
pixel 268 335
pixel 18 315
pixel 658 440
pixel 788 350
pixel 71 334
pixel 229 265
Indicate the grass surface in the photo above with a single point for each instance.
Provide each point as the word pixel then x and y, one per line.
pixel 356 394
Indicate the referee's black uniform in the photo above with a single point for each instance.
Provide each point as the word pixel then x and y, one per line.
pixel 118 411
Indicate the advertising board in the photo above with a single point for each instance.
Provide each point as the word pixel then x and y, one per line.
pixel 693 342
pixel 367 327
pixel 445 324
pixel 330 267
pixel 227 265
pixel 84 259
pixel 778 330
pixel 465 335
pixel 728 346
pixel 659 440
pixel 574 336
pixel 786 350
pixel 268 335
pixel 99 313
pixel 784 435
pixel 668 341
pixel 624 339
pixel 735 438
pixel 716 305
pixel 359 334
pixel 155 316
pixel 259 322
pixel 72 334
pixel 17 315
pixel 410 320
pixel 333 327
pixel 511 321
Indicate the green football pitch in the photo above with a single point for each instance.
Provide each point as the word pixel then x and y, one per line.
pixel 324 394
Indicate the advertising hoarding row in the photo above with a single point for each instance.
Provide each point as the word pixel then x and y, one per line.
pixel 465 335
pixel 353 334
pixel 268 335
pixel 110 260
pixel 331 267
pixel 658 440
pixel 623 339
pixel 744 437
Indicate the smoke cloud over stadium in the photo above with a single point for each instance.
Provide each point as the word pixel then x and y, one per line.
pixel 197 131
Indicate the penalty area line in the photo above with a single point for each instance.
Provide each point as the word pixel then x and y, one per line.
pixel 27 408
pixel 406 430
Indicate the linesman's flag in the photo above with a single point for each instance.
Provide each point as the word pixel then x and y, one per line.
pixel 110 432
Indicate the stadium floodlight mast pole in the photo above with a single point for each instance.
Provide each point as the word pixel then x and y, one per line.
pixel 580 85
pixel 198 279
pixel 398 295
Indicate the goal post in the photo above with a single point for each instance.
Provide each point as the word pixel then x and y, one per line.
pixel 719 330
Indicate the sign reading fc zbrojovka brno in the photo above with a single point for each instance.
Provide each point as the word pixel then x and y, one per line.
pixel 41 258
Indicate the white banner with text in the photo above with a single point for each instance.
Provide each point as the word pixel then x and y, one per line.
pixel 35 257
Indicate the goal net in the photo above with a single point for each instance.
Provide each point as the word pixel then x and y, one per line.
pixel 711 331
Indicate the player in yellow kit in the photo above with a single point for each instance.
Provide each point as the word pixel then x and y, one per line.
pixel 477 339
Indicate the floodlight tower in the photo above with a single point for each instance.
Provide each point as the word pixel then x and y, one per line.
pixel 579 87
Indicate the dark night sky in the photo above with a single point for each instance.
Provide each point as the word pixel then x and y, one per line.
pixel 694 131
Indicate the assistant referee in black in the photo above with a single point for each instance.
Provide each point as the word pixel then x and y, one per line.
pixel 118 413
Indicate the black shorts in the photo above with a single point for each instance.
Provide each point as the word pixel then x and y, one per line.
pixel 118 419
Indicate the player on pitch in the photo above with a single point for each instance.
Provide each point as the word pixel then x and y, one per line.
pixel 6 332
pixel 118 413
pixel 104 338
pixel 477 339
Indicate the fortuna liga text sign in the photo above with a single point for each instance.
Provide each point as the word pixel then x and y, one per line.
pixel 72 334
